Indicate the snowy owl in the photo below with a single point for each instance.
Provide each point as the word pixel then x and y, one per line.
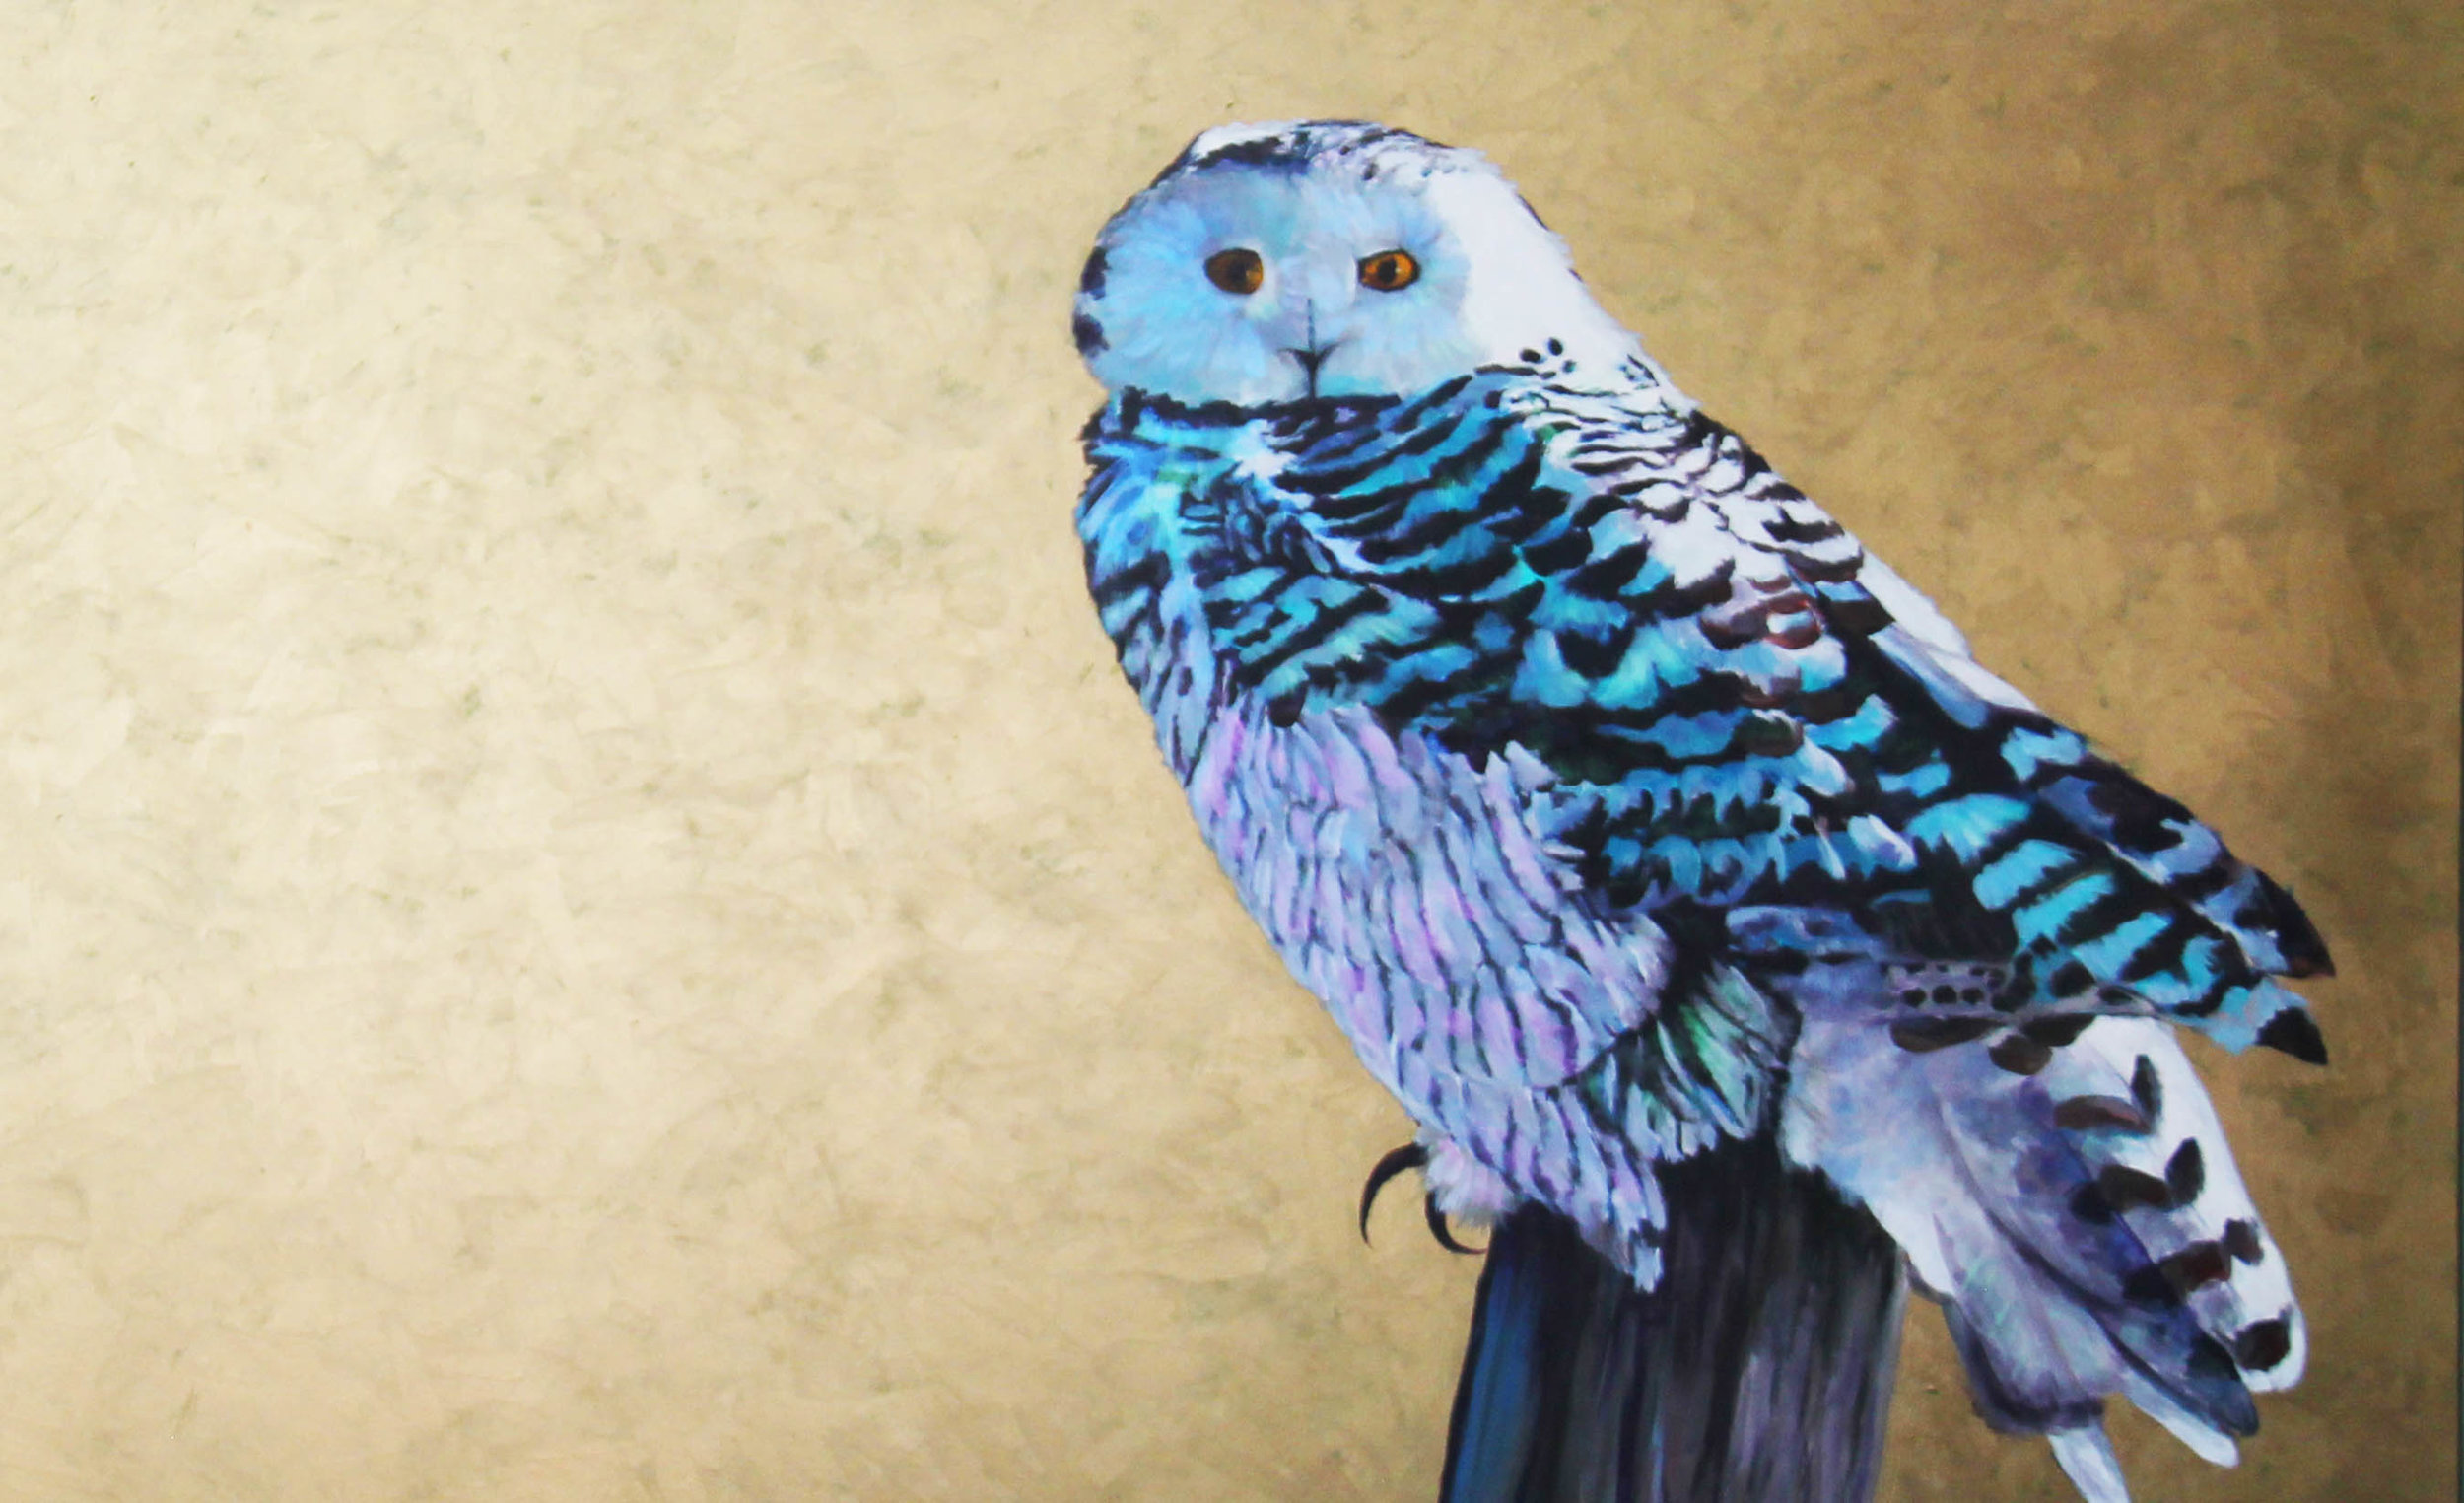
pixel 1742 948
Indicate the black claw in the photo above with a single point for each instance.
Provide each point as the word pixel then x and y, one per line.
pixel 1441 1231
pixel 1409 1156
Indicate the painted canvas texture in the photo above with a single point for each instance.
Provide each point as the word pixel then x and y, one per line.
pixel 587 912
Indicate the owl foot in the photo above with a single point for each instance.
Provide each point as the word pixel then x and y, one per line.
pixel 1409 1156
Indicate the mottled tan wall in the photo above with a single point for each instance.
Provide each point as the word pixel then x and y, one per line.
pixel 583 913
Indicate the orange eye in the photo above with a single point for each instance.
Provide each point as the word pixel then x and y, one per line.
pixel 1389 271
pixel 1236 271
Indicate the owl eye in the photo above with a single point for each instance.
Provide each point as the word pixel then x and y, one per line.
pixel 1389 271
pixel 1236 271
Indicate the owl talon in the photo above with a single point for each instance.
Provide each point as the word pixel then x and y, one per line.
pixel 1409 1156
pixel 1438 1228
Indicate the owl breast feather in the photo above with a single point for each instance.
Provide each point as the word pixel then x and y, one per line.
pixel 1406 884
pixel 1412 887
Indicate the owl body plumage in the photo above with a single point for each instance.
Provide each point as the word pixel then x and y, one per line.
pixel 1620 806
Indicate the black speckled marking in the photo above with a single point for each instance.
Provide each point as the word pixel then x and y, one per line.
pixel 2294 1032
pixel 2056 1032
pixel 2127 1189
pixel 2021 1055
pixel 2195 1268
pixel 2082 1113
pixel 2262 1344
pixel 2146 1088
pixel 2069 978
pixel 2149 1287
pixel 2092 1206
pixel 1922 1036
pixel 2186 1173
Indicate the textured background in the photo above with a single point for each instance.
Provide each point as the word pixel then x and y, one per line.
pixel 583 913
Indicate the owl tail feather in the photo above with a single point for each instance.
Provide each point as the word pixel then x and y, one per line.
pixel 2074 1210
pixel 1758 1370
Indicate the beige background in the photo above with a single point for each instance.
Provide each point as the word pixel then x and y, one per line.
pixel 583 915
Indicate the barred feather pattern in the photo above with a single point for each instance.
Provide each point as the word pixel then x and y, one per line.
pixel 1602 785
pixel 1738 705
pixel 2067 1194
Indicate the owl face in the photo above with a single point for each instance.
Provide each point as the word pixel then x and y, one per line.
pixel 1277 264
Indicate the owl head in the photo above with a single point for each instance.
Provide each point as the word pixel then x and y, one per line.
pixel 1333 258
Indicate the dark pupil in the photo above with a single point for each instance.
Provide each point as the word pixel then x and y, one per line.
pixel 1389 271
pixel 1236 271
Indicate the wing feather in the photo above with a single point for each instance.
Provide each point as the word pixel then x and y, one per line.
pixel 1738 706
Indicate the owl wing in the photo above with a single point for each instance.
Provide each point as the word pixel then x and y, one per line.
pixel 1768 749
pixel 1743 713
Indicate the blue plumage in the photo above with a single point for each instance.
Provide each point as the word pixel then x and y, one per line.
pixel 1620 806
pixel 1618 586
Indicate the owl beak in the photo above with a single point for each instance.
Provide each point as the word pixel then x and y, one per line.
pixel 1311 358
